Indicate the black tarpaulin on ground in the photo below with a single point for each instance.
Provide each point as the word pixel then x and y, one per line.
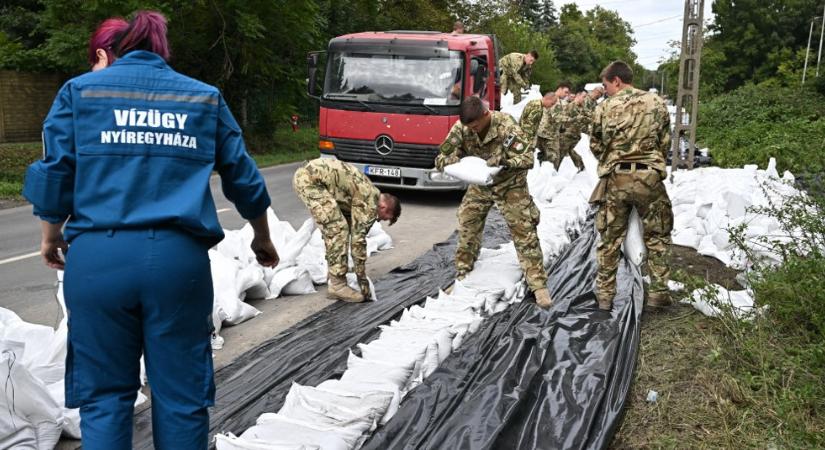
pixel 315 349
pixel 532 379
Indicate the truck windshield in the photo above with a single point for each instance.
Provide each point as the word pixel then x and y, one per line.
pixel 386 78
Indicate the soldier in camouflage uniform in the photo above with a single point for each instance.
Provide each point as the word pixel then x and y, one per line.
pixel 532 114
pixel 495 137
pixel 630 136
pixel 344 203
pixel 515 70
pixel 570 128
pixel 552 128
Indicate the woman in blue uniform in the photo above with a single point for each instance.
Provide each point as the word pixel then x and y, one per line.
pixel 128 152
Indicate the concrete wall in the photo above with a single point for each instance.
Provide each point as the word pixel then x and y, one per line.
pixel 25 99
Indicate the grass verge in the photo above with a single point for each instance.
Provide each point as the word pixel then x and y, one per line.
pixel 284 146
pixel 726 383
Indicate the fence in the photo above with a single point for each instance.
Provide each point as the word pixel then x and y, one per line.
pixel 25 99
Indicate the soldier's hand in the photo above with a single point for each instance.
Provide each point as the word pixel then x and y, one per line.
pixel 495 161
pixel 364 284
pixel 265 251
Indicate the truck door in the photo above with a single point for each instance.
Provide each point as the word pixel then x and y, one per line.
pixel 479 81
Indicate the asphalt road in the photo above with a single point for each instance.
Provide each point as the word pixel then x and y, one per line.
pixel 27 287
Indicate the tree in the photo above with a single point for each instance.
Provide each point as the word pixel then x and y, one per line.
pixel 756 36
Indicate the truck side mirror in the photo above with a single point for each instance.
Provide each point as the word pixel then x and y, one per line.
pixel 312 74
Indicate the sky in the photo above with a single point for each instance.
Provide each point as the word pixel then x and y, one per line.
pixel 654 22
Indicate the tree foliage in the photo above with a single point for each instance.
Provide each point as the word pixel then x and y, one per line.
pixel 255 50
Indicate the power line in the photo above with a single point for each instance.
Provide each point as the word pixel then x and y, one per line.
pixel 665 19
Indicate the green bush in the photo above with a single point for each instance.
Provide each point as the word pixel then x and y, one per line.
pixel 780 355
pixel 756 122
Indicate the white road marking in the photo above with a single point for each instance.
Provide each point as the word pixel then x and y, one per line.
pixel 18 258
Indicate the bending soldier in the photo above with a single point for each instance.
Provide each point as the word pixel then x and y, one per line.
pixel 630 136
pixel 532 114
pixel 495 137
pixel 516 69
pixel 344 204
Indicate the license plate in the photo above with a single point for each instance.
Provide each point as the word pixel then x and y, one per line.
pixel 393 172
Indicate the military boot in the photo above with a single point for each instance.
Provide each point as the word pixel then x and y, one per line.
pixel 543 298
pixel 658 299
pixel 338 290
pixel 605 301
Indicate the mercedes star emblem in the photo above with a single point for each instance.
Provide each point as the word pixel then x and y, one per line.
pixel 383 145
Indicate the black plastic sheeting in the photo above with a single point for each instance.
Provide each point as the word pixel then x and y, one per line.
pixel 529 378
pixel 315 349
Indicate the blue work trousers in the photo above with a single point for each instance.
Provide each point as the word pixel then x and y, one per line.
pixel 139 291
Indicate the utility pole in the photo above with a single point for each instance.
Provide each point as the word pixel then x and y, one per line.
pixel 821 34
pixel 688 92
pixel 808 50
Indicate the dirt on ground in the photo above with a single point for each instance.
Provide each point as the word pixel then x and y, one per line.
pixel 679 360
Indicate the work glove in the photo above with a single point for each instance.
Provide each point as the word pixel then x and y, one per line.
pixel 364 284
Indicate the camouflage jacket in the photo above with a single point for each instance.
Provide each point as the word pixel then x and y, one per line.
pixel 631 126
pixel 512 65
pixel 530 119
pixel 505 143
pixel 357 198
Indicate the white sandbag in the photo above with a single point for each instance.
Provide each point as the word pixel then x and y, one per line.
pixel 718 300
pixel 359 369
pixel 365 387
pixel 276 431
pixel 634 245
pixel 515 110
pixel 289 254
pixel 473 170
pixel 31 418
pixel 370 405
pixel 325 413
pixel 301 284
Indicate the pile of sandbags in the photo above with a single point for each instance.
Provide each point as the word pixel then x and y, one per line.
pixel 32 392
pixel 707 202
pixel 508 107
pixel 237 276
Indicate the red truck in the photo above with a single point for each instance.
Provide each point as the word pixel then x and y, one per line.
pixel 390 98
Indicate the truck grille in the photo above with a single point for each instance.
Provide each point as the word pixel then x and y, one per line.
pixel 406 155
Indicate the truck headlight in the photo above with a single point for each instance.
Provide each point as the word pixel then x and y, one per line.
pixel 443 177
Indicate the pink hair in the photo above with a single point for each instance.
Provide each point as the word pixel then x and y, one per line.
pixel 147 31
pixel 104 38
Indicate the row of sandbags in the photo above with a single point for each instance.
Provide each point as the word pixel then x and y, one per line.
pixel 238 277
pixel 340 414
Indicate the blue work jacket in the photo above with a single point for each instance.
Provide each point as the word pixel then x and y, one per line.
pixel 134 145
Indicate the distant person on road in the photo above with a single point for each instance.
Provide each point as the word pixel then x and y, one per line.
pixel 344 204
pixel 532 114
pixel 129 152
pixel 630 136
pixel 101 53
pixel 458 27
pixel 515 69
pixel 495 137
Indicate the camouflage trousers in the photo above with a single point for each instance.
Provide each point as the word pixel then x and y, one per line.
pixel 508 84
pixel 645 191
pixel 334 225
pixel 521 215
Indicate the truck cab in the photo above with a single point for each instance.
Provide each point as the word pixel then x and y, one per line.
pixel 390 98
